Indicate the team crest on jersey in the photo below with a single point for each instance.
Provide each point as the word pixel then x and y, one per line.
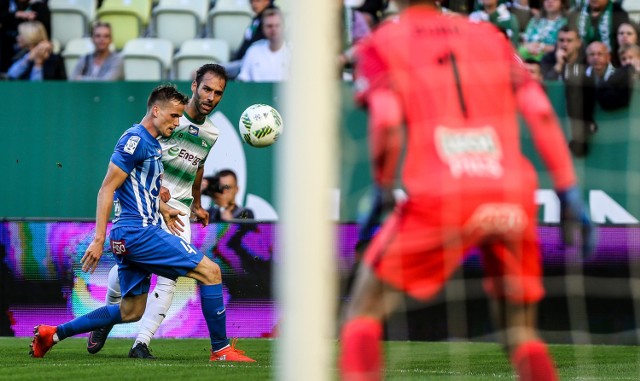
pixel 118 247
pixel 132 143
pixel 193 130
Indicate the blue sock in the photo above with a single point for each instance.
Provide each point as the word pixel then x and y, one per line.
pixel 215 315
pixel 100 317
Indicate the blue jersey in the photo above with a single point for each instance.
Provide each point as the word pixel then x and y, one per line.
pixel 136 202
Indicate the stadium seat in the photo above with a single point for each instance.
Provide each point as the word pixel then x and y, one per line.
pixel 633 8
pixel 71 19
pixel 147 59
pixel 128 18
pixel 228 21
pixel 197 52
pixel 75 49
pixel 180 20
pixel 392 9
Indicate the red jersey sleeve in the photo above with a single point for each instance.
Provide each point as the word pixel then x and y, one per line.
pixel 371 72
pixel 541 119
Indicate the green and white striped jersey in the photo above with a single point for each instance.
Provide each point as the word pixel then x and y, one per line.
pixel 182 154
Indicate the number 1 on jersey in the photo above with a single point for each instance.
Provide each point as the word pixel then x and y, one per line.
pixel 456 76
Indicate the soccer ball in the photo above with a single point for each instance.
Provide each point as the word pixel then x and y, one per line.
pixel 260 125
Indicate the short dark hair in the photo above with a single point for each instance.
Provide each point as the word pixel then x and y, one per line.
pixel 216 69
pixel 227 172
pixel 272 12
pixel 568 28
pixel 166 93
pixel 532 61
pixel 99 24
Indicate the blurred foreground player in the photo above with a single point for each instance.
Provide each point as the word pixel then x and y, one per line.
pixel 139 244
pixel 467 182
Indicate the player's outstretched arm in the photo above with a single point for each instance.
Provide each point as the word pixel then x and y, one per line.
pixel 114 178
pixel 201 214
pixel 551 144
pixel 386 136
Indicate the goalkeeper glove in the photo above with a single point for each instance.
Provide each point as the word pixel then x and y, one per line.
pixel 382 201
pixel 573 216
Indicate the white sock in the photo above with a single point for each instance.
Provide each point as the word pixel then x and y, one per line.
pixel 158 303
pixel 113 287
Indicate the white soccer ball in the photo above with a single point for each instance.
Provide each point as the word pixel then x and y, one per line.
pixel 260 125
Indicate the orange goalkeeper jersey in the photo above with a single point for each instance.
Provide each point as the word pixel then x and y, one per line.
pixel 457 83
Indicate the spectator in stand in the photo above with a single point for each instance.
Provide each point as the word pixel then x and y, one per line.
pixel 533 67
pixel 102 64
pixel 599 60
pixel 582 92
pixel 498 15
pixel 568 64
pixel 522 11
pixel 541 33
pixel 268 60
pixel 627 35
pixel 567 57
pixel 252 34
pixel 598 20
pixel 630 55
pixel 615 93
pixel 36 60
pixel 12 14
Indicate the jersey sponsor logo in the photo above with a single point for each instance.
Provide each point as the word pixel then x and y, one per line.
pixel 132 143
pixel 473 152
pixel 497 219
pixel 193 130
pixel 173 151
pixel 118 247
pixel 186 155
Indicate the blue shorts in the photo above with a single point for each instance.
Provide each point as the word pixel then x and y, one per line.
pixel 141 252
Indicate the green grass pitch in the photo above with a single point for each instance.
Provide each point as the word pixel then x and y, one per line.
pixel 187 359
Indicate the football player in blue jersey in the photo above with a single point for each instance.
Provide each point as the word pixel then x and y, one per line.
pixel 139 244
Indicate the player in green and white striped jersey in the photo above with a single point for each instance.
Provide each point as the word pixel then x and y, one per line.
pixel 183 158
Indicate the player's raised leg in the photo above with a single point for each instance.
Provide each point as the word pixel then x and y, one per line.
pixel 528 353
pixel 208 274
pixel 361 356
pixel 98 337
pixel 46 336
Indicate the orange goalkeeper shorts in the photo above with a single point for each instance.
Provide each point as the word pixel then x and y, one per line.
pixel 424 241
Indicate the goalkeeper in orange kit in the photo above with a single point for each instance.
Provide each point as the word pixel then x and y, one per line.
pixel 457 86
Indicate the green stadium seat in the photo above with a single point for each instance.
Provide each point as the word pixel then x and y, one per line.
pixel 179 20
pixel 228 20
pixel 197 52
pixel 147 59
pixel 71 19
pixel 128 19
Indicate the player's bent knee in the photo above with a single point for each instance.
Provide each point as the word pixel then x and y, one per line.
pixel 207 272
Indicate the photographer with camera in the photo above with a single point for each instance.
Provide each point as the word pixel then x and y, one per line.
pixel 223 188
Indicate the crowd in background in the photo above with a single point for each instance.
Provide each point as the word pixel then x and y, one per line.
pixel 590 45
pixel 28 51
